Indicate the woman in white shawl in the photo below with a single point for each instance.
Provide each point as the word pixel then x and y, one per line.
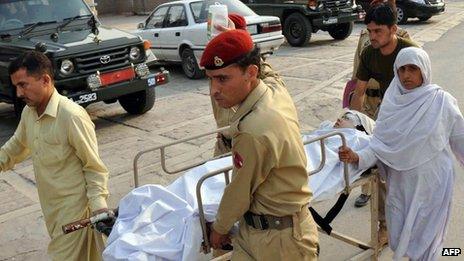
pixel 418 127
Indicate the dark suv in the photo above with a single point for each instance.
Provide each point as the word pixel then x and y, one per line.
pixel 423 10
pixel 301 18
pixel 92 63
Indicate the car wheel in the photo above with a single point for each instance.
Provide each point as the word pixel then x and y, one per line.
pixel 297 29
pixel 424 18
pixel 138 102
pixel 341 31
pixel 190 65
pixel 401 16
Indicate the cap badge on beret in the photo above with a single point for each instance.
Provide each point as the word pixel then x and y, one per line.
pixel 218 61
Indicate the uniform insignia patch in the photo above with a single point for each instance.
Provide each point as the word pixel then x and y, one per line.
pixel 238 160
pixel 218 61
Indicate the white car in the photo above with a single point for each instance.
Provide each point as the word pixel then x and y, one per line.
pixel 177 31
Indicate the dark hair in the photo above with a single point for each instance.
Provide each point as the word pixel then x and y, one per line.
pixel 253 57
pixel 35 63
pixel 381 14
pixel 361 128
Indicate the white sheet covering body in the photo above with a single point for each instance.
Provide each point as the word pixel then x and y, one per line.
pixel 416 132
pixel 162 223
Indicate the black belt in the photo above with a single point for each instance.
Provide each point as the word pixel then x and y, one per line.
pixel 373 92
pixel 263 222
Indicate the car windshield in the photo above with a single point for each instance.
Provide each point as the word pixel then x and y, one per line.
pixel 200 9
pixel 20 14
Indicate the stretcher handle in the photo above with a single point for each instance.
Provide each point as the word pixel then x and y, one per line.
pixel 162 149
pixel 79 224
pixel 321 139
pixel 206 246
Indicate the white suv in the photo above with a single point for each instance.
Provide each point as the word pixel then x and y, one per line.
pixel 177 31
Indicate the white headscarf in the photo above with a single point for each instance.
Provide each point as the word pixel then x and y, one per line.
pixel 413 126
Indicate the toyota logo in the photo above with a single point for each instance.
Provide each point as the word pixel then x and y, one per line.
pixel 105 59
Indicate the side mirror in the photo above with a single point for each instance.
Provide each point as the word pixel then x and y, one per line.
pixel 140 26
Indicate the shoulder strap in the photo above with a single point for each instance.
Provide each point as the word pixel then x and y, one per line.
pixel 324 222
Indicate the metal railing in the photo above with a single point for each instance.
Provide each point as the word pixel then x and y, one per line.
pixel 162 149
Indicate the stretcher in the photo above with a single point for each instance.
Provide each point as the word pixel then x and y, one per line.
pixel 369 250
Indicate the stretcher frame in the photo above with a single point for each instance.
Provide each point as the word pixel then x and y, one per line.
pixel 369 249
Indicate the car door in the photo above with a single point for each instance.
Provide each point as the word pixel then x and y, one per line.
pixel 151 32
pixel 172 34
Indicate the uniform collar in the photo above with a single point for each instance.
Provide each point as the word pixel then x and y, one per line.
pixel 247 105
pixel 52 106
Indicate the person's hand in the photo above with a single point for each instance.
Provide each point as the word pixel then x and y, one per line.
pixel 105 226
pixel 230 26
pixel 345 154
pixel 218 240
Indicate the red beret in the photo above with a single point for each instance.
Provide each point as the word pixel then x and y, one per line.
pixel 226 48
pixel 239 21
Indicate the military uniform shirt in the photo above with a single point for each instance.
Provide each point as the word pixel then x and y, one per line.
pixel 269 174
pixel 223 115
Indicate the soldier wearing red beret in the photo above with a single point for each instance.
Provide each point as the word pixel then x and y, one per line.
pixel 223 115
pixel 269 191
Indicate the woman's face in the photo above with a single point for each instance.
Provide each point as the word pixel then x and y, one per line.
pixel 344 121
pixel 410 76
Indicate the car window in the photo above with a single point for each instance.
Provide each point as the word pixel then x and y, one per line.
pixel 16 14
pixel 200 8
pixel 157 18
pixel 176 16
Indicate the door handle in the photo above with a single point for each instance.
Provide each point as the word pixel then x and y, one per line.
pixel 177 33
pixel 156 34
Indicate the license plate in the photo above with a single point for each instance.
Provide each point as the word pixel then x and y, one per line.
pixel 252 29
pixel 85 98
pixel 331 20
pixel 151 81
pixel 117 76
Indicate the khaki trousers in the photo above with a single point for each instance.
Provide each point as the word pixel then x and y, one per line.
pixel 298 243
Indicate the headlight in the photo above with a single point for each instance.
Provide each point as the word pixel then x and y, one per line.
pixel 142 70
pixel 94 81
pixel 67 67
pixel 135 54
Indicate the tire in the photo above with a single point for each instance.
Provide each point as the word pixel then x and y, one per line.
pixel 424 18
pixel 190 65
pixel 138 102
pixel 341 31
pixel 401 16
pixel 297 29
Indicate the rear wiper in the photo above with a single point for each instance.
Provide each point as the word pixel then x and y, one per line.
pixel 71 19
pixel 33 26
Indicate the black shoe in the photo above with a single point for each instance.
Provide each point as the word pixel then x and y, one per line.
pixel 362 200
